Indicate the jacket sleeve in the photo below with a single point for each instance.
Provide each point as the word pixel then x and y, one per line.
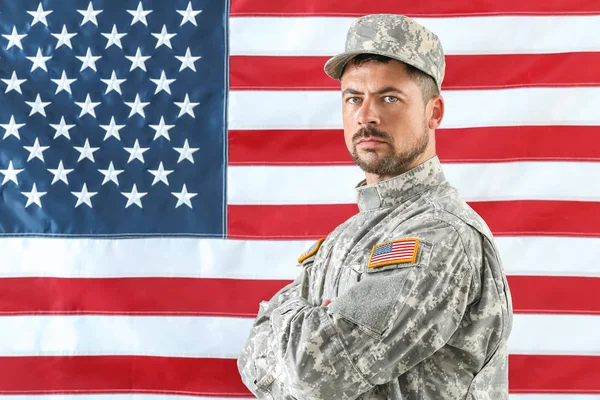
pixel 391 320
pixel 253 360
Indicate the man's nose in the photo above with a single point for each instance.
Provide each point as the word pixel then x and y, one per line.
pixel 367 115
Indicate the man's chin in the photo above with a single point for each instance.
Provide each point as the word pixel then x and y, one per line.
pixel 370 166
pixel 372 158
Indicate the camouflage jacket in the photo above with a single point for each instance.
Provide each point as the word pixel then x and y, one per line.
pixel 429 323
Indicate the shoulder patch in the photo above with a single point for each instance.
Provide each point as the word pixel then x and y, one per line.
pixel 394 252
pixel 312 251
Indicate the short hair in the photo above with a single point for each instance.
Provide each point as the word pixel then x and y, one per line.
pixel 426 82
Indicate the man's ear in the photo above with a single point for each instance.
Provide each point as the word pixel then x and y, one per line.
pixel 435 112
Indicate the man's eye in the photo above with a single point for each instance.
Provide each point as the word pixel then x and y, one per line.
pixel 390 99
pixel 353 100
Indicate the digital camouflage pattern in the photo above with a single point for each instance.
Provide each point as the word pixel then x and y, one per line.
pixel 433 329
pixel 395 36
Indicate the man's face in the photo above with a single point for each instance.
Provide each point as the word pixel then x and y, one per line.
pixel 385 119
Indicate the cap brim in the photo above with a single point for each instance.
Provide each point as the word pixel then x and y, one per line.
pixel 335 65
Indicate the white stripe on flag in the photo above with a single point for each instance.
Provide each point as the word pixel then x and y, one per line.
pixel 325 36
pixel 224 337
pixel 474 181
pixel 175 336
pixel 251 259
pixel 464 108
pixel 555 334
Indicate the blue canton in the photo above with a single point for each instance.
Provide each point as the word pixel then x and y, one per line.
pixel 113 117
pixel 383 249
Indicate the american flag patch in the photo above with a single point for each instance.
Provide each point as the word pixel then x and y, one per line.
pixel 394 252
pixel 313 250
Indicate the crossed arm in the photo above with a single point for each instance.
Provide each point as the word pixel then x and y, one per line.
pixel 380 328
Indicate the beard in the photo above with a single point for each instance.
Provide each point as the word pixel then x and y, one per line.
pixel 391 164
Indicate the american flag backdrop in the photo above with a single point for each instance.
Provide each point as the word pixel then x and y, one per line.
pixel 163 164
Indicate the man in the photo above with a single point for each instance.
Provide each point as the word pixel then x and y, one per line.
pixel 407 299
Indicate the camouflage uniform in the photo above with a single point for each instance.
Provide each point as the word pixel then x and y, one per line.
pixel 432 327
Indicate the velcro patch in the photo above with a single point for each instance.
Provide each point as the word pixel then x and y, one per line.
pixel 394 252
pixel 312 251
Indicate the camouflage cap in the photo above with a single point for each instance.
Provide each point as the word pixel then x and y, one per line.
pixel 395 36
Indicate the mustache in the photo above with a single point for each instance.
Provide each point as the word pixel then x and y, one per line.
pixel 370 131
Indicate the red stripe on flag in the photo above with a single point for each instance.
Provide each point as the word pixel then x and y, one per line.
pixel 135 296
pixel 462 72
pixel 219 377
pixel 554 374
pixel 539 217
pixel 120 374
pixel 490 144
pixel 215 297
pixel 505 218
pixel 449 8
pixel 555 294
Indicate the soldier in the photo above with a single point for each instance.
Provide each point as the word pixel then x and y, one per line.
pixel 407 299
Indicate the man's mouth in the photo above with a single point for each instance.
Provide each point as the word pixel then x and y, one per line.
pixel 370 142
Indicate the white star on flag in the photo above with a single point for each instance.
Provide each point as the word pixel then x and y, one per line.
pixel 138 61
pixel 134 197
pixel 86 151
pixel 12 128
pixel 89 60
pixel 139 14
pixel 64 37
pixel 60 173
pixel 113 83
pixel 14 39
pixel 88 107
pixel 38 106
pixel 36 151
pixel 62 129
pixel 63 83
pixel 186 152
pixel 162 83
pixel 39 61
pixel 187 61
pixel 84 196
pixel 187 107
pixel 39 15
pixel 137 107
pixel 136 152
pixel 89 15
pixel 33 197
pixel 160 174
pixel 10 174
pixel 184 197
pixel 164 37
pixel 112 130
pixel 114 37
pixel 162 129
pixel 111 174
pixel 188 15
pixel 14 83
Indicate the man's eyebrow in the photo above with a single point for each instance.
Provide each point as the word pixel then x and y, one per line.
pixel 388 89
pixel 383 90
pixel 351 91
